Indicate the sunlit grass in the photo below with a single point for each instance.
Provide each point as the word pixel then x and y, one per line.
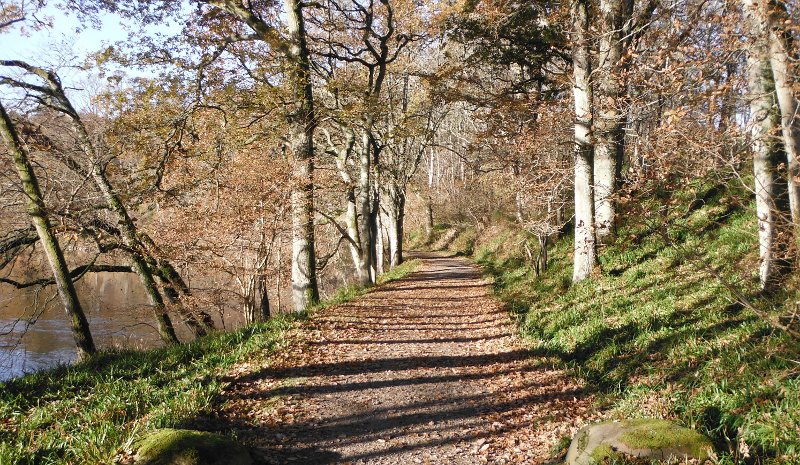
pixel 88 412
pixel 659 335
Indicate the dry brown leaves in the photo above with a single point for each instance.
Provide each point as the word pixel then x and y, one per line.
pixel 422 370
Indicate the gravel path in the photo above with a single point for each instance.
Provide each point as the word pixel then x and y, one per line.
pixel 423 370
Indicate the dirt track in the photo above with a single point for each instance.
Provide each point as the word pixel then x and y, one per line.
pixel 422 370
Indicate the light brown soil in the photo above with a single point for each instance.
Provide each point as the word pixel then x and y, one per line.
pixel 422 370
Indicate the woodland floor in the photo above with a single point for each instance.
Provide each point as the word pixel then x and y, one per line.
pixel 425 369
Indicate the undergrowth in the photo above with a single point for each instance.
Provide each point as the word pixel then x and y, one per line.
pixel 660 332
pixel 88 412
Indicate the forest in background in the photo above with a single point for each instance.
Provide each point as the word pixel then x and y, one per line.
pixel 263 154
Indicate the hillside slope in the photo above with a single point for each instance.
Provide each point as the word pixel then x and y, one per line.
pixel 670 328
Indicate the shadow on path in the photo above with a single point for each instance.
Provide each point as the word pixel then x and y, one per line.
pixel 422 370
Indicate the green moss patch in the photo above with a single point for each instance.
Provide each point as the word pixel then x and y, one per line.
pixel 187 447
pixel 664 435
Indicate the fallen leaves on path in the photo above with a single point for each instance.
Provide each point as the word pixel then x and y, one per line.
pixel 424 370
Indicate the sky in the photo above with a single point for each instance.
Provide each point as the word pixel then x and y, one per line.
pixel 64 47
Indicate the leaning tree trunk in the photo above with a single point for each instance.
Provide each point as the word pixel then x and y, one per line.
pixel 128 232
pixel 772 225
pixel 36 209
pixel 127 228
pixel 585 257
pixel 301 133
pixel 779 57
pixel 608 143
pixel 129 239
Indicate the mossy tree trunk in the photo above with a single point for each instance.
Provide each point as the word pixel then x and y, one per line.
pixel 55 257
pixel 301 133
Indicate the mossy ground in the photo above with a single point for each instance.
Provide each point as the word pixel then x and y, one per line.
pixel 661 434
pixel 659 331
pixel 175 446
pixel 87 413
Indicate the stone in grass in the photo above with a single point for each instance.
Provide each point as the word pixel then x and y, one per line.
pixel 645 438
pixel 188 447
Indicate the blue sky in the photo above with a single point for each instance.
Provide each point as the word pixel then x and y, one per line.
pixel 64 47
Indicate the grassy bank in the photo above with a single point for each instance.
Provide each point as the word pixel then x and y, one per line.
pixel 662 331
pixel 86 413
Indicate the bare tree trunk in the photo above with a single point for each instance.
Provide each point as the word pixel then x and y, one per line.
pixel 608 143
pixel 428 218
pixel 301 132
pixel 36 209
pixel 380 243
pixel 585 257
pixel 772 230
pixel 129 236
pixel 374 230
pixel 265 309
pixel 779 57
pixel 395 209
pixel 365 211
pixel 429 199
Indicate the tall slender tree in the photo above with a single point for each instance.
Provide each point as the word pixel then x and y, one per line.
pixel 773 220
pixel 585 253
pixel 301 123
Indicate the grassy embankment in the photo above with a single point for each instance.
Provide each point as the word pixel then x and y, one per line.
pixel 657 332
pixel 88 412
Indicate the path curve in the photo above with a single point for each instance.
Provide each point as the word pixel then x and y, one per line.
pixel 423 370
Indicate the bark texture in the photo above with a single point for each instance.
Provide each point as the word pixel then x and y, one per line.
pixel 773 228
pixel 774 14
pixel 609 136
pixel 81 334
pixel 585 257
pixel 301 134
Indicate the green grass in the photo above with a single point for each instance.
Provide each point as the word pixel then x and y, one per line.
pixel 658 335
pixel 88 412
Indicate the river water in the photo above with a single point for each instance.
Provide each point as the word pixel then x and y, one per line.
pixel 34 330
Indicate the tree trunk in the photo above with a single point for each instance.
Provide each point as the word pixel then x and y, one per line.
pixel 374 230
pixel 301 133
pixel 265 310
pixel 175 288
pixel 395 209
pixel 779 57
pixel 608 143
pixel 428 218
pixel 772 227
pixel 165 329
pixel 380 243
pixel 128 232
pixel 365 211
pixel 129 239
pixel 36 209
pixel 585 256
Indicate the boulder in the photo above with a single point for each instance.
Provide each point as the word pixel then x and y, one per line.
pixel 644 438
pixel 188 447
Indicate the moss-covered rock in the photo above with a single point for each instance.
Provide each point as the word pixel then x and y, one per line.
pixel 644 438
pixel 187 447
